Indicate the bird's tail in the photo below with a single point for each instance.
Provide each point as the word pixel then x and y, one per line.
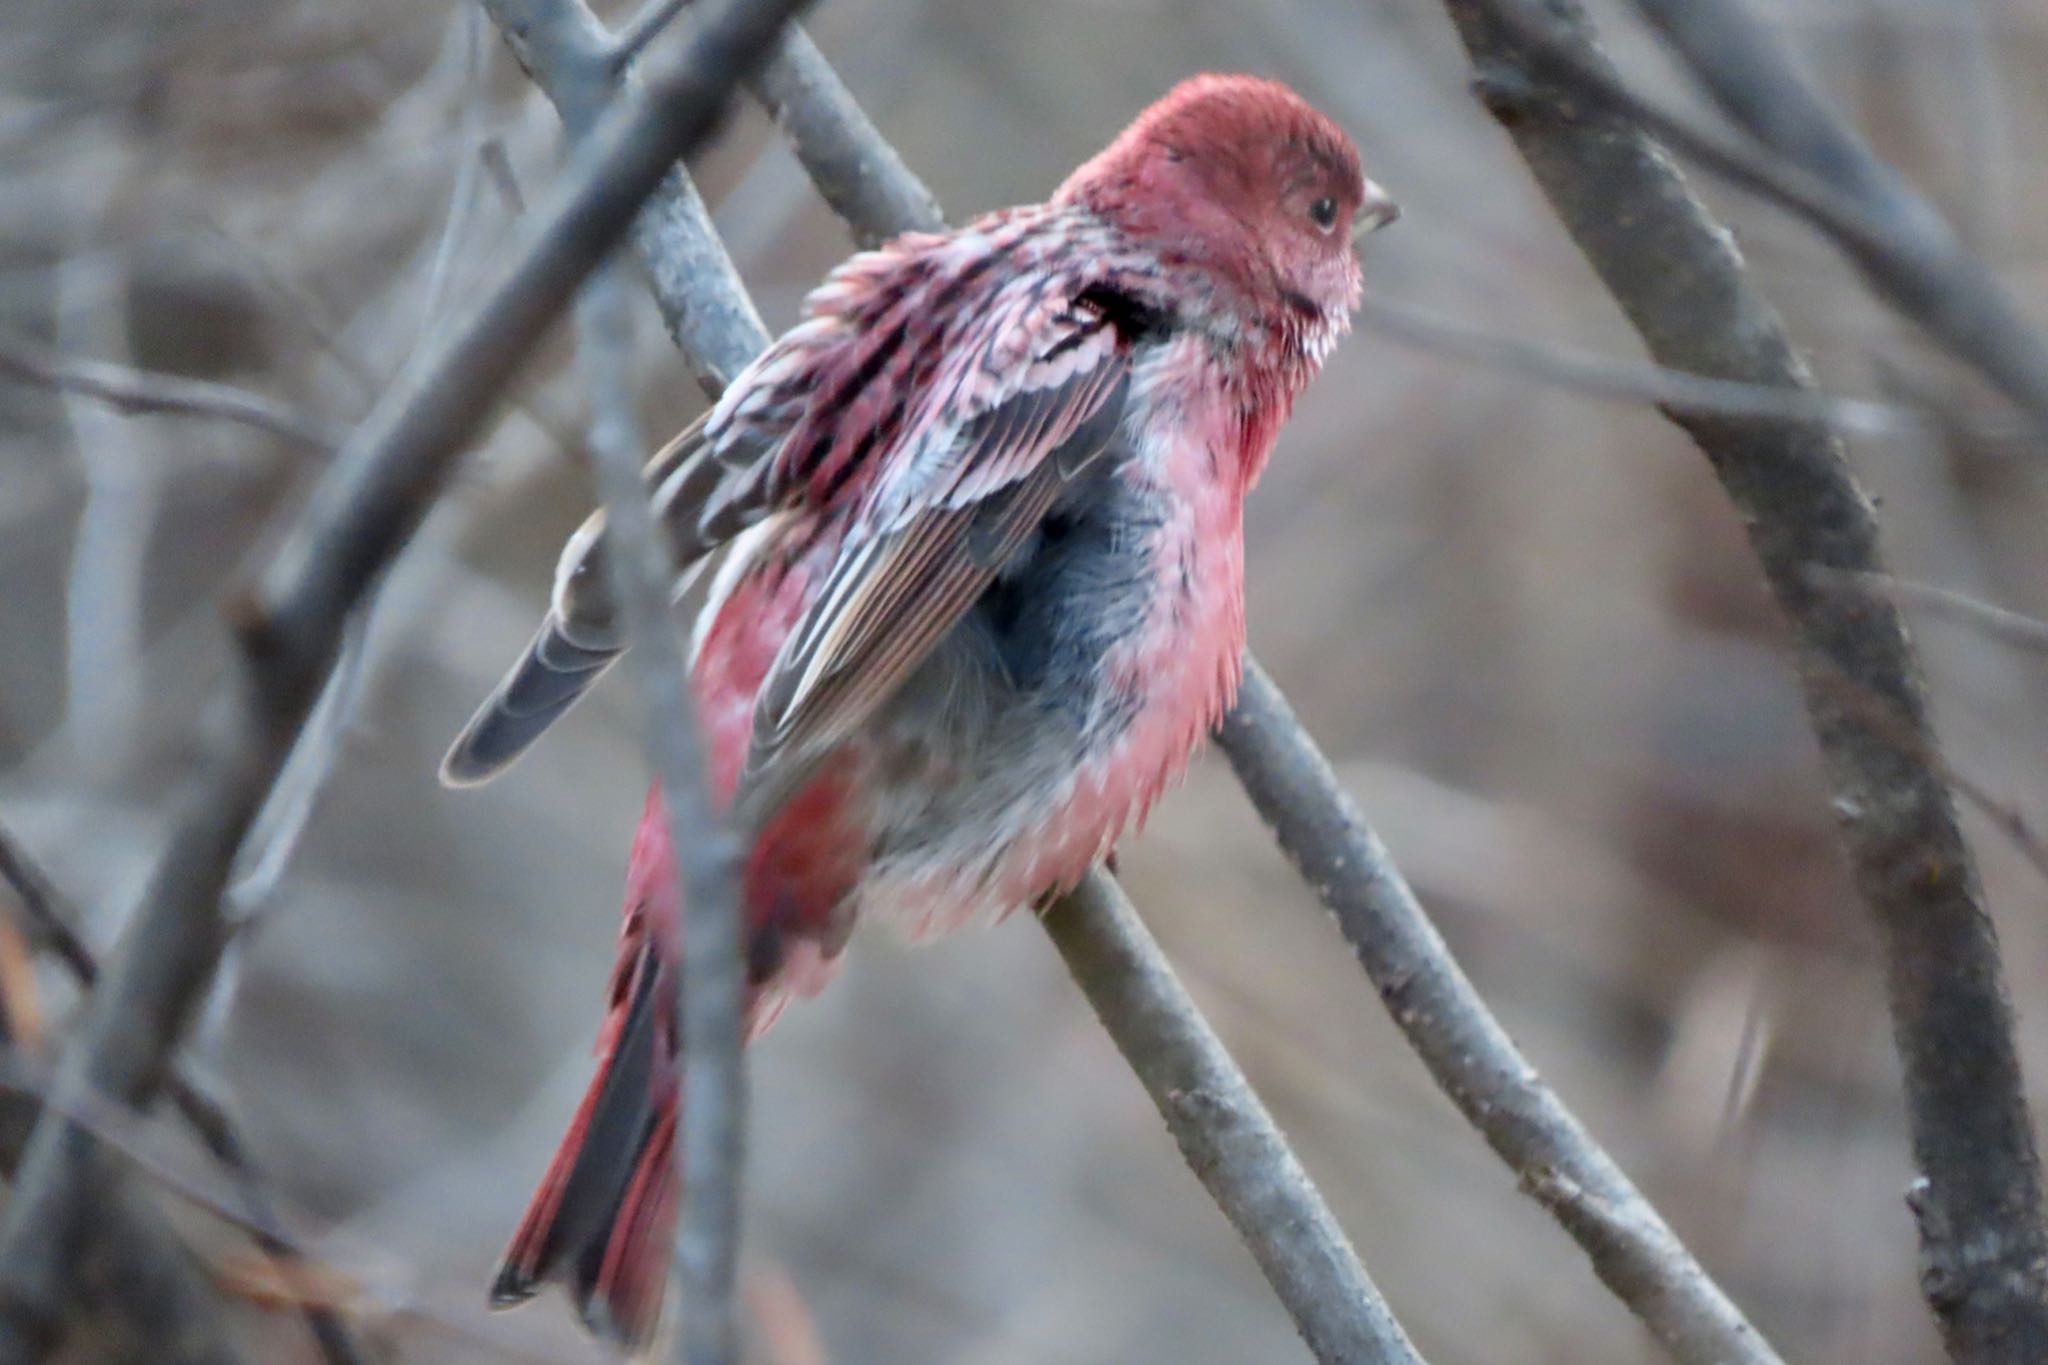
pixel 549 678
pixel 603 1219
pixel 701 503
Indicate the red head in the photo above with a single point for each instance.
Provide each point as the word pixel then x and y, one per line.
pixel 1241 179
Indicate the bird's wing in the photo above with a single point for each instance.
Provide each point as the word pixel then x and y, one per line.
pixel 703 495
pixel 722 474
pixel 924 388
pixel 968 476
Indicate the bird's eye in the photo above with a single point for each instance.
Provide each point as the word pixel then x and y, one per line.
pixel 1323 213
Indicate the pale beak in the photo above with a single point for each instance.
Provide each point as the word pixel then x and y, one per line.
pixel 1375 211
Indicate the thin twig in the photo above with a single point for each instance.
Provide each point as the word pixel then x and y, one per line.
pixel 1626 381
pixel 2003 814
pixel 711 1150
pixel 274 837
pixel 1466 1050
pixel 108 568
pixel 1895 238
pixel 143 1283
pixel 2001 623
pixel 50 919
pixel 469 170
pixel 281 824
pixel 854 168
pixel 1914 260
pixel 26 1091
pixel 643 28
pixel 1678 277
pixel 504 181
pixel 1224 1133
pixel 148 1295
pixel 1595 83
pixel 372 498
pixel 139 391
pixel 242 1202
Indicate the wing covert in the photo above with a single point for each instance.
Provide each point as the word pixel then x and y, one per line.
pixel 936 530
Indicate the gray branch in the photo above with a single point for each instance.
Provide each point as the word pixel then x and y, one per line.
pixel 1466 1050
pixel 360 516
pixel 709 315
pixel 711 1142
pixel 1681 282
pixel 855 169
pixel 1809 163
pixel 1225 1134
pixel 582 67
pixel 138 391
pixel 1913 258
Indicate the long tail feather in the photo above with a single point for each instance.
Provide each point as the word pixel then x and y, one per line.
pixel 701 503
pixel 549 678
pixel 603 1216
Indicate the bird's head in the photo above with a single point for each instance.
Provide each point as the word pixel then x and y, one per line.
pixel 1242 180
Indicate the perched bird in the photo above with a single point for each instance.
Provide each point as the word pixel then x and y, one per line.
pixel 982 595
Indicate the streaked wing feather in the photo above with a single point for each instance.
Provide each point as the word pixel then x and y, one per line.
pixel 891 599
pixel 890 401
pixel 701 502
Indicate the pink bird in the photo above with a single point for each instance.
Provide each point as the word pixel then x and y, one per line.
pixel 983 591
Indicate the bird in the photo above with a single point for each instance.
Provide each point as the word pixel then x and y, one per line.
pixel 981 594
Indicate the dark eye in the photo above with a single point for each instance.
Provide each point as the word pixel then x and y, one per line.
pixel 1323 213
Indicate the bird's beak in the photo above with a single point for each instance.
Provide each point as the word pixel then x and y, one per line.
pixel 1375 211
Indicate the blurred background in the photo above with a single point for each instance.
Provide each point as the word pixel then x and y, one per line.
pixel 1521 620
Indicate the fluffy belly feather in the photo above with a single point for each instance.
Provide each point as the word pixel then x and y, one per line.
pixel 1040 728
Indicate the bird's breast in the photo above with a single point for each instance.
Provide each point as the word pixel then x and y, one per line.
pixel 1072 694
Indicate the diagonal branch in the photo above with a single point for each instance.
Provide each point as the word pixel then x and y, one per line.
pixel 709 315
pixel 854 168
pixel 138 391
pixel 360 516
pixel 1223 1131
pixel 1465 1048
pixel 1914 258
pixel 1678 277
pixel 1809 163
